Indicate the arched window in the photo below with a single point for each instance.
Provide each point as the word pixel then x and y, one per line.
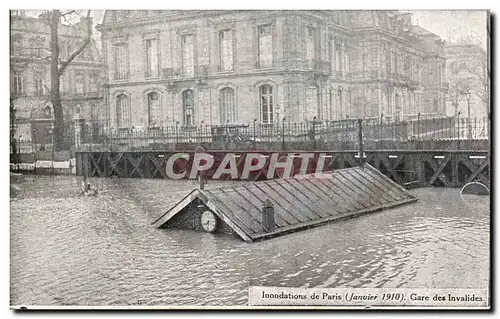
pixel 188 107
pixel 17 45
pixel 331 103
pixel 153 100
pixel 36 44
pixel 266 103
pixel 93 111
pixel 122 111
pixel 368 107
pixel 38 83
pixel 340 102
pixel 47 112
pixel 227 105
pixel 397 106
pixel 93 82
pixel 435 105
pixel 312 106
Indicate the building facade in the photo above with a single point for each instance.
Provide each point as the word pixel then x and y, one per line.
pixel 397 67
pixel 467 72
pixel 81 82
pixel 191 67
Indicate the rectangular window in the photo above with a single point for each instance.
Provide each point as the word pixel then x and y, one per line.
pixel 438 77
pixel 17 47
pixel 122 111
pixel 35 50
pixel 120 61
pixel 265 46
pixel 93 112
pixel 154 109
pixel 93 82
pixel 226 50
pixel 152 58
pixel 394 64
pixel 310 43
pixel 188 55
pixel 227 106
pixel 331 49
pixel 417 76
pixel 346 58
pixel 80 83
pixel 38 83
pixel 312 101
pixel 17 84
pixel 412 70
pixel 407 69
pixel 338 55
pixel 401 64
pixel 331 106
pixel 266 103
pixel 62 49
pixel 37 45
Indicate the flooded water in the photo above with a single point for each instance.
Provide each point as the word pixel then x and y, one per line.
pixel 73 250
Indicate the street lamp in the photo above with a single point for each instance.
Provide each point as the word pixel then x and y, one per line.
pixel 467 96
pixel 13 125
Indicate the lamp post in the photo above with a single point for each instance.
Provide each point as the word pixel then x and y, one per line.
pixel 13 143
pixel 469 127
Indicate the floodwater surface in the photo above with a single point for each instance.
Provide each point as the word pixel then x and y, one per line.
pixel 97 251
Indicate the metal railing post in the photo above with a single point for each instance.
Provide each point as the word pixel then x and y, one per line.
pixel 314 133
pixel 254 135
pixel 228 140
pixel 381 127
pixel 283 134
pixel 176 134
pixel 360 142
pixel 418 125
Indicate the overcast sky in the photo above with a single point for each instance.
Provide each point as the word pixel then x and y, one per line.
pixel 452 25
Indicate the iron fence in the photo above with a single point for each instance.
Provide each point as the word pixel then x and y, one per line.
pixel 374 129
pixel 378 133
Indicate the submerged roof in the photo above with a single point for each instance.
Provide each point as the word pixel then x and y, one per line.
pixel 299 202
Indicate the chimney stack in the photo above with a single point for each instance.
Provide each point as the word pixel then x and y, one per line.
pixel 267 216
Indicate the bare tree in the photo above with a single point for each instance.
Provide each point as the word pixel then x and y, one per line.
pixel 472 72
pixel 455 95
pixel 54 19
pixel 57 67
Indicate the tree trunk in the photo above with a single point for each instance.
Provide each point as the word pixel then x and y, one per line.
pixel 55 83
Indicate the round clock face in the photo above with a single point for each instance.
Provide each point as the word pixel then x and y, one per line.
pixel 208 221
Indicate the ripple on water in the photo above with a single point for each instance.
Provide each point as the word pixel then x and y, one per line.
pixel 71 250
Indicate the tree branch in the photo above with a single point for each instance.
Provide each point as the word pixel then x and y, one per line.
pixel 80 49
pixel 68 13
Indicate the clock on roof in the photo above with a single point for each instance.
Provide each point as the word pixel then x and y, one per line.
pixel 209 221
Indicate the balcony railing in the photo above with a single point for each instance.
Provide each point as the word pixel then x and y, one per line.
pixel 201 71
pixel 81 95
pixel 319 66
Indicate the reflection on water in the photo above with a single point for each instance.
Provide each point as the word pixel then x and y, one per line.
pixel 72 250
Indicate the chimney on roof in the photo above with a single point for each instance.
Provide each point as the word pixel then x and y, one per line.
pixel 267 216
pixel 406 17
